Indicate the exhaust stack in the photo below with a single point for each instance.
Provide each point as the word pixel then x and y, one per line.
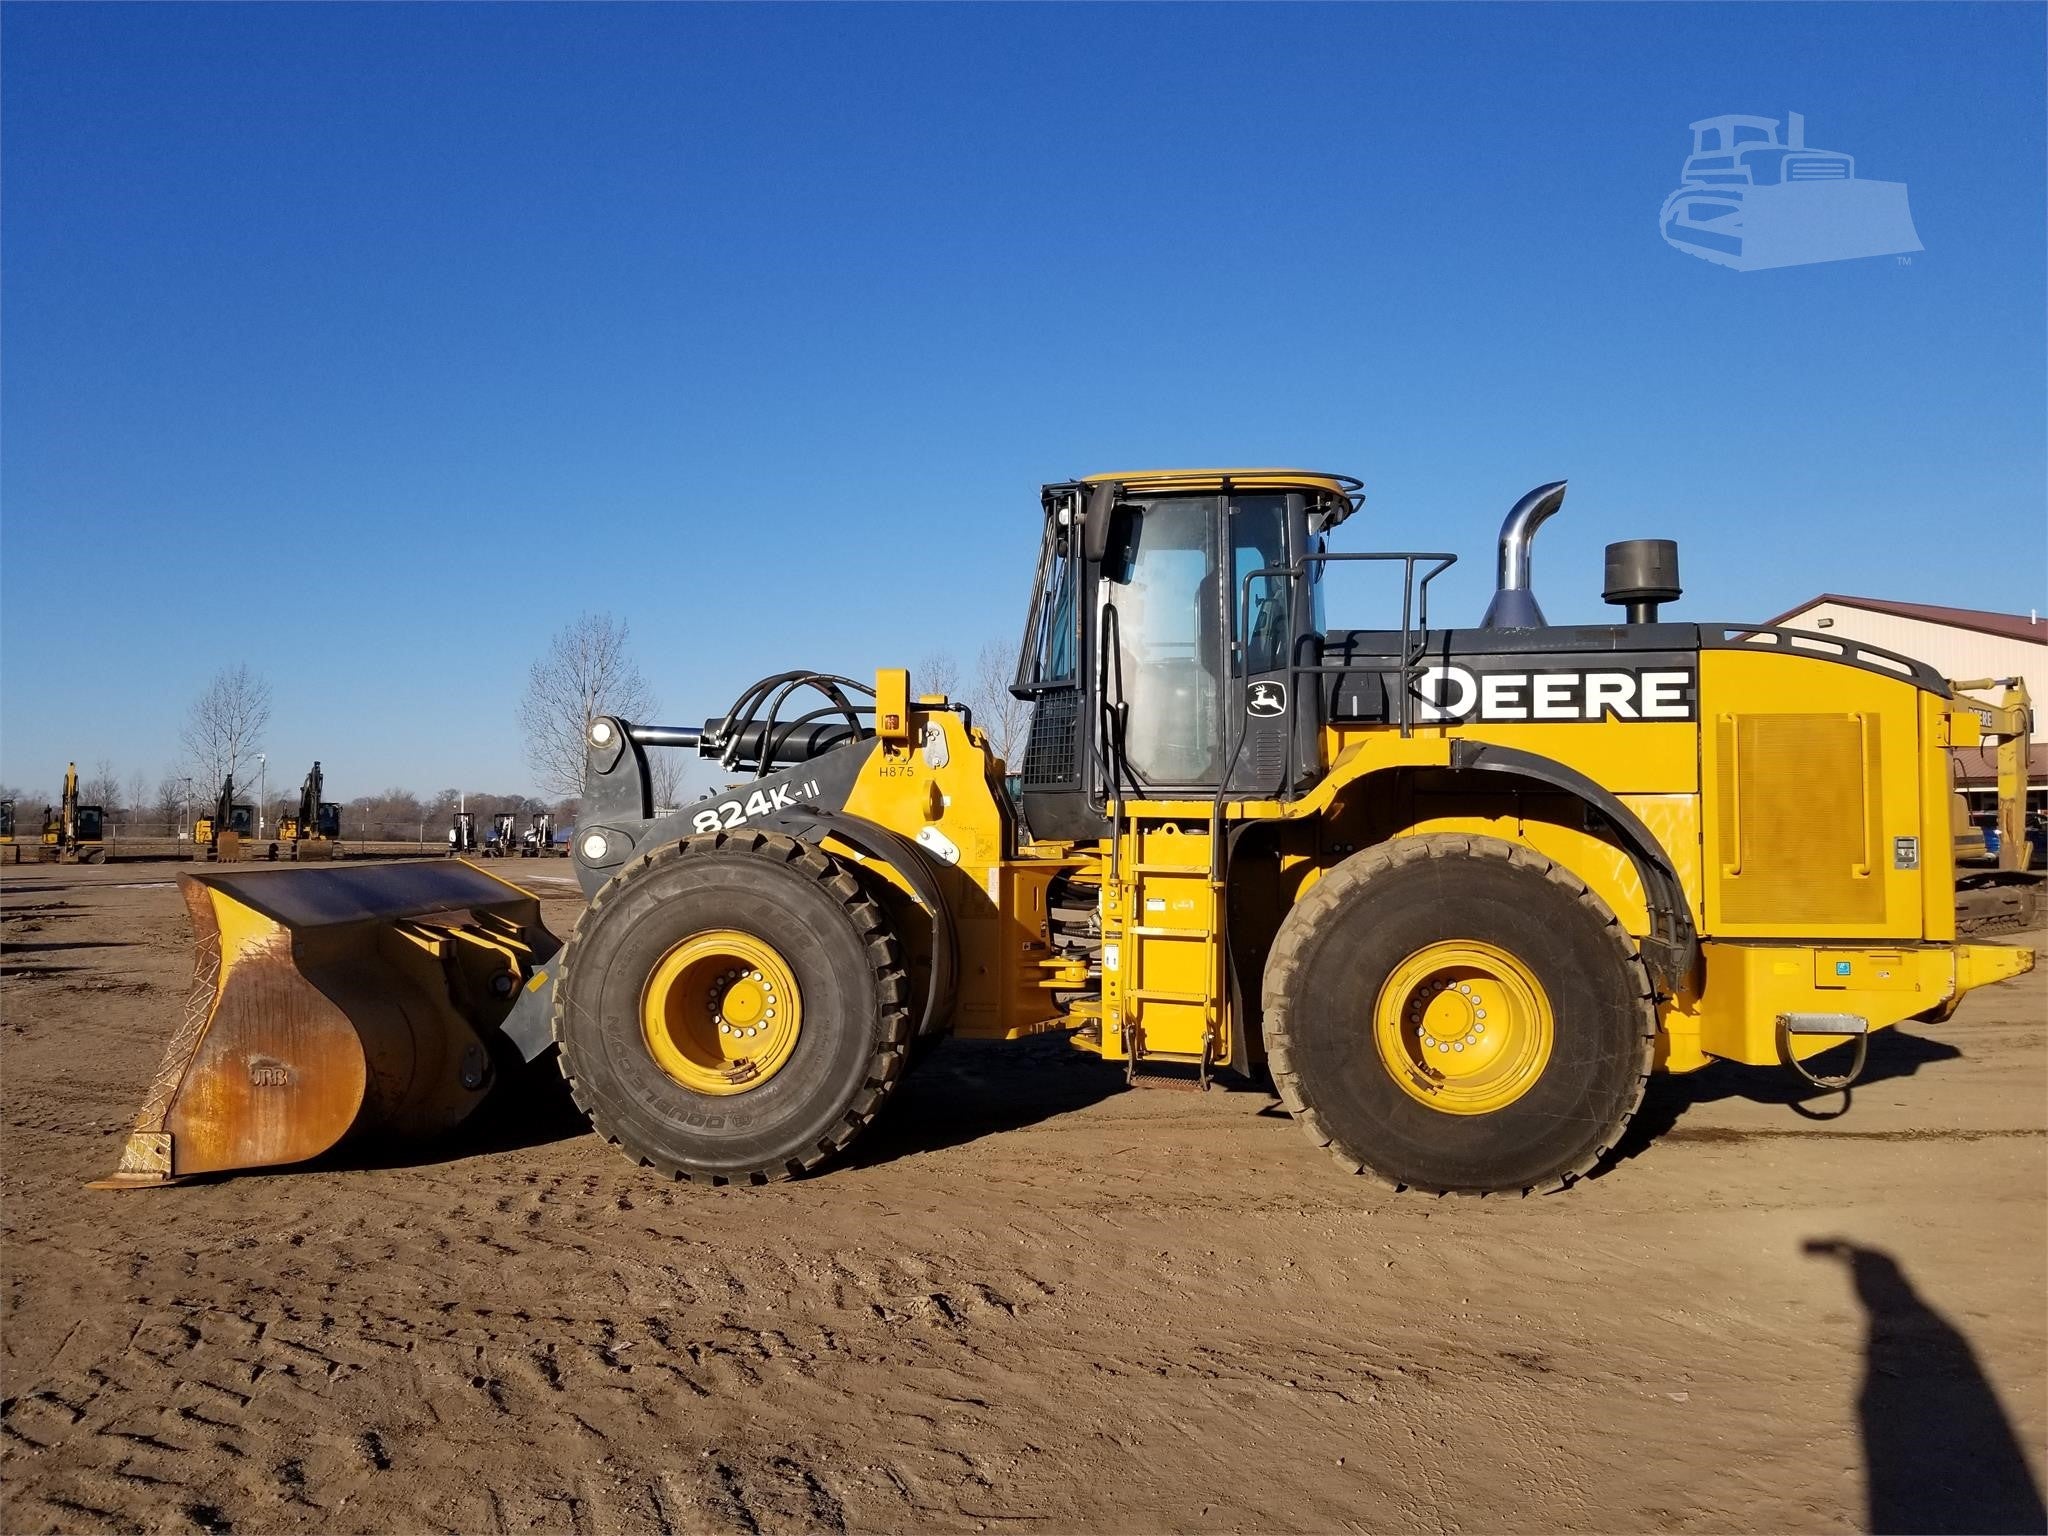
pixel 1514 605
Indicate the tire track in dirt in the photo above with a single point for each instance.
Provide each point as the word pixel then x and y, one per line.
pixel 1124 1311
pixel 198 1381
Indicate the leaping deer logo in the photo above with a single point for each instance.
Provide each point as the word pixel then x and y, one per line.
pixel 1266 699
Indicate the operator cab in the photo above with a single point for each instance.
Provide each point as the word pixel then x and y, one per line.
pixel 1169 611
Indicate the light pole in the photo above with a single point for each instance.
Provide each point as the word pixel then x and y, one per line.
pixel 187 784
pixel 262 789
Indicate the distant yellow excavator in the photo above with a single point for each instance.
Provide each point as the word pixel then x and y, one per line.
pixel 2007 894
pixel 75 833
pixel 313 831
pixel 217 839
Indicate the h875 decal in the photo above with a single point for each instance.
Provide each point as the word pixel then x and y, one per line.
pixel 727 814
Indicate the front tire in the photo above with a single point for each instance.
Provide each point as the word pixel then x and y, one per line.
pixel 1458 1014
pixel 732 1008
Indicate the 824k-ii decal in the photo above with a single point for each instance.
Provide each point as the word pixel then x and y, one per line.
pixel 727 814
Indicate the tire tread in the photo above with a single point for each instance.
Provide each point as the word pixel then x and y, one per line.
pixel 885 958
pixel 1298 930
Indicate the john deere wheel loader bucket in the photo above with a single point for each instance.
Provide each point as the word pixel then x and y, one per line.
pixel 329 1003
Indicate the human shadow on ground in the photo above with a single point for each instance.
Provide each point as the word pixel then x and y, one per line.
pixel 1893 1055
pixel 1939 1453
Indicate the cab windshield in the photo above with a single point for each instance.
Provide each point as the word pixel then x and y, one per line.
pixel 1173 621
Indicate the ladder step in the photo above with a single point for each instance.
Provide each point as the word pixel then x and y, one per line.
pixel 1170 933
pixel 1148 995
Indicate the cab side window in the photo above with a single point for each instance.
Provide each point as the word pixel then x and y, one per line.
pixel 1258 540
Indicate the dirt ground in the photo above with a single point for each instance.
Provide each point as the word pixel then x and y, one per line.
pixel 1034 1301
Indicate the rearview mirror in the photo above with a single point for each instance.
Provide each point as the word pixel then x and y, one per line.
pixel 1110 539
pixel 1096 518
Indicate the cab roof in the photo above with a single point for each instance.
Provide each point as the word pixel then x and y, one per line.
pixel 1345 492
pixel 1213 479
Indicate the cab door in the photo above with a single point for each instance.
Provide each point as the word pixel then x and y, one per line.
pixel 1270 731
pixel 1201 611
pixel 1164 614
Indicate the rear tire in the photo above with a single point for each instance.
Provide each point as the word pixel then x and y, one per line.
pixel 844 964
pixel 1371 949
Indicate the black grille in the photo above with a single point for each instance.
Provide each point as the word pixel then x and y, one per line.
pixel 1268 758
pixel 1049 755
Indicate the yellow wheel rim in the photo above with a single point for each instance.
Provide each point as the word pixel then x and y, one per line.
pixel 1463 1027
pixel 721 1012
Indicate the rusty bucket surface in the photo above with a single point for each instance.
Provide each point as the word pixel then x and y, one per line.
pixel 328 1003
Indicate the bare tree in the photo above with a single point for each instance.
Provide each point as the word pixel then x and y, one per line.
pixel 102 789
pixel 584 673
pixel 937 673
pixel 173 798
pixel 135 798
pixel 226 725
pixel 665 777
pixel 1005 717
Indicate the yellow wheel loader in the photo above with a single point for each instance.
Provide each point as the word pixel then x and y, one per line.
pixel 1456 892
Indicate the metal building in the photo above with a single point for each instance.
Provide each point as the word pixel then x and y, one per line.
pixel 1958 643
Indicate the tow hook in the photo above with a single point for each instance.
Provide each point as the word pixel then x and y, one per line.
pixel 1843 1024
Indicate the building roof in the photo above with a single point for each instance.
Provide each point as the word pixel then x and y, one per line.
pixel 1977 767
pixel 2010 626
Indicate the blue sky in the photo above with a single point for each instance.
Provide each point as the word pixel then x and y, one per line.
pixel 369 345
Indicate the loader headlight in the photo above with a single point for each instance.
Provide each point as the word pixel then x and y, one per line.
pixel 600 733
pixel 594 847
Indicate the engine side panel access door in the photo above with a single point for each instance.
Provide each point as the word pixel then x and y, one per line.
pixel 1812 799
